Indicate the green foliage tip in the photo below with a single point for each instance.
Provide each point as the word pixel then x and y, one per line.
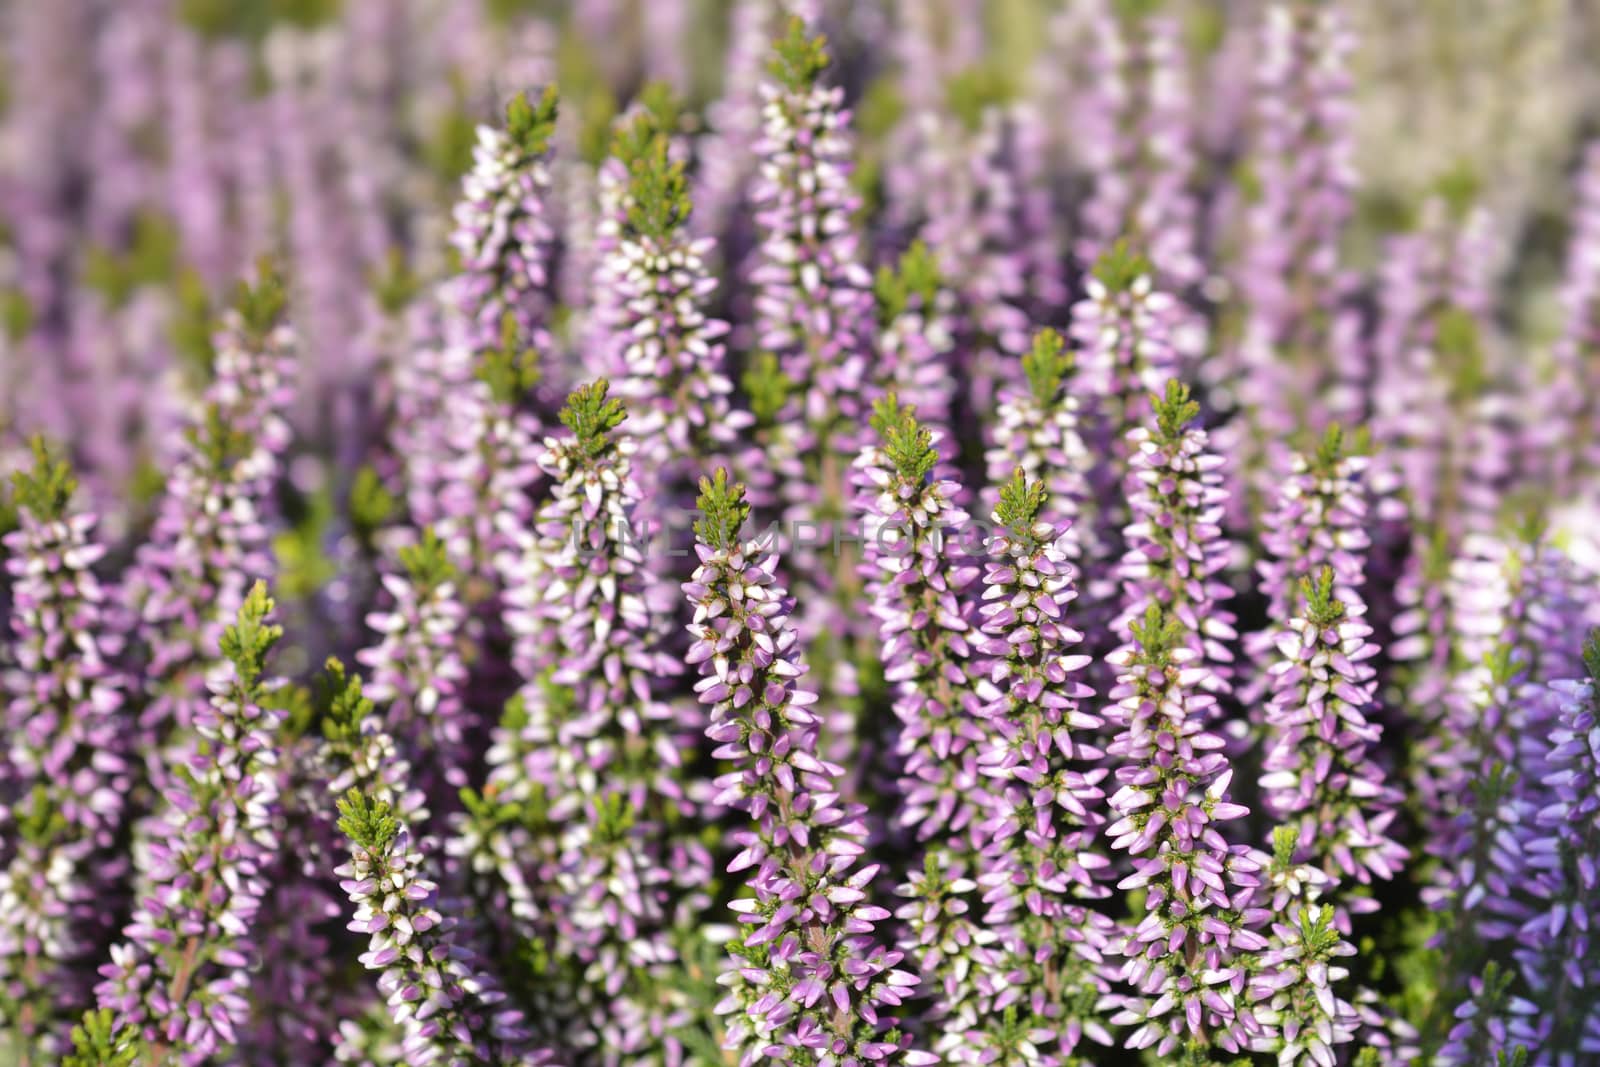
pixel 591 414
pixel 369 823
pixel 44 490
pixel 906 443
pixel 1046 364
pixel 723 511
pixel 798 58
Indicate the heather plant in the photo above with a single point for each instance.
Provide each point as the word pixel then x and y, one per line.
pixel 927 533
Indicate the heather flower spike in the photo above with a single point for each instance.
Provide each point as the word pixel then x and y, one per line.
pixel 808 975
pixel 446 1007
pixel 179 980
pixel 1144 549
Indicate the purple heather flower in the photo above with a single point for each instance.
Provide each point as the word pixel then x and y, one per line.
pixel 608 762
pixel 916 575
pixel 1127 334
pixel 1319 517
pixel 917 337
pixel 211 537
pixel 726 154
pixel 1492 1023
pixel 973 228
pixel 66 767
pixel 1044 816
pixel 1290 275
pixel 1175 546
pixel 813 300
pixel 181 978
pixel 435 987
pixel 1564 432
pixel 1187 957
pixel 1040 429
pixel 418 672
pixel 809 976
pixel 1554 949
pixel 502 229
pixel 668 355
pixel 1318 776
pixel 1142 161
pixel 1294 990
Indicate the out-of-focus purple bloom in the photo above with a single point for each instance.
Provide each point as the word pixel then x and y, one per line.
pixel 1141 159
pixel 418 673
pixel 667 353
pixel 607 761
pixel 916 574
pixel 503 232
pixel 211 537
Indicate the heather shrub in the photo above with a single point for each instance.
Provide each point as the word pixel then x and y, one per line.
pixel 909 532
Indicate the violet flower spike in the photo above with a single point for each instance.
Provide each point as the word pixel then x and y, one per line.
pixel 808 973
pixel 435 989
pixel 1045 866
pixel 66 762
pixel 1186 958
pixel 1175 545
pixel 180 978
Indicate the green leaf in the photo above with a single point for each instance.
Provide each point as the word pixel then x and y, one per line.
pixel 510 370
pixel 16 314
pixel 1285 841
pixel 247 642
pixel 1459 188
pixel 591 415
pixel 658 191
pixel 723 511
pixel 1322 608
pixel 1120 266
pixel 1174 412
pixel 1157 635
pixel 767 387
pixel 393 285
pixel 916 278
pixel 369 823
pixel 261 305
pixel 530 125
pixel 371 505
pixel 1047 364
pixel 340 700
pixel 975 90
pixel 193 326
pixel 906 443
pixel 427 562
pixel 96 1042
pixel 1021 502
pixel 798 59
pixel 1591 655
pixel 1459 344
pixel 216 440
pixel 45 489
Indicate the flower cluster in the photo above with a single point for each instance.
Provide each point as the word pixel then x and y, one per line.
pixel 810 977
pixel 180 979
pixel 1135 610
